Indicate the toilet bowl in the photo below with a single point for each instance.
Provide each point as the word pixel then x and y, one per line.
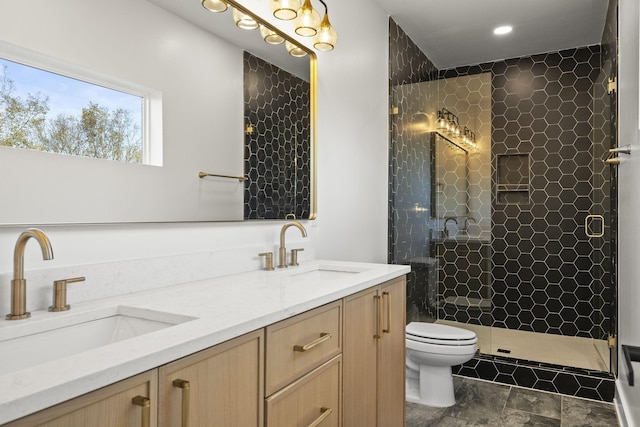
pixel 432 349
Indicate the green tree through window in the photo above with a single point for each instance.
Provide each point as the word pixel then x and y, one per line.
pixel 96 131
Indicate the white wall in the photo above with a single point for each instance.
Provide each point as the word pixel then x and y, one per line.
pixel 352 183
pixel 629 201
pixel 353 124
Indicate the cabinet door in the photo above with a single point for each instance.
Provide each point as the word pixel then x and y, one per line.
pixel 313 400
pixel 360 358
pixel 221 386
pixel 391 361
pixel 107 407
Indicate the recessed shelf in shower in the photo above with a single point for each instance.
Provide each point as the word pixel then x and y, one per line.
pixel 512 178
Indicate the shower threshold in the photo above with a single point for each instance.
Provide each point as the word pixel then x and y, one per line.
pixel 585 353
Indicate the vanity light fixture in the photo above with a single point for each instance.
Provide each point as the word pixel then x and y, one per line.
pixel 285 10
pixel 244 21
pixel 294 50
pixel 505 29
pixel 307 23
pixel 449 124
pixel 327 37
pixel 308 20
pixel 270 36
pixel 215 5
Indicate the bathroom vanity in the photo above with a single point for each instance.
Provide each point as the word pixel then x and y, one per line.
pixel 321 343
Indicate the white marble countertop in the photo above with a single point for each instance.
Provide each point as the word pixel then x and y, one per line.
pixel 221 308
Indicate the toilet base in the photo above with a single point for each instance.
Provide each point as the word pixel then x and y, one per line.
pixel 434 387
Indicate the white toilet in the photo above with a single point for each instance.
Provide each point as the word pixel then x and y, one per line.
pixel 432 349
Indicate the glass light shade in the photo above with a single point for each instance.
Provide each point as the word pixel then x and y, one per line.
pixel 308 20
pixel 285 10
pixel 327 37
pixel 270 36
pixel 215 5
pixel 295 50
pixel 244 21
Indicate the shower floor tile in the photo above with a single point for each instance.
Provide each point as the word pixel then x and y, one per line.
pixel 482 403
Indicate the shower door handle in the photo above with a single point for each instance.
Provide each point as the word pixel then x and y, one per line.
pixel 590 219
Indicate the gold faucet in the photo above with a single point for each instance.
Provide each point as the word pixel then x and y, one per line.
pixel 283 249
pixel 19 284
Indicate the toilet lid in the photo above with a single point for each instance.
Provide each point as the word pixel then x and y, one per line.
pixel 435 331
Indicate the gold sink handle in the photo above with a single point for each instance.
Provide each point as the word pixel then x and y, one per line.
pixel 60 293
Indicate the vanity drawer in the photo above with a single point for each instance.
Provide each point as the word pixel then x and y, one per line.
pixel 297 345
pixel 314 399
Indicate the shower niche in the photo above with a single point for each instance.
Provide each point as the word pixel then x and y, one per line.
pixel 512 179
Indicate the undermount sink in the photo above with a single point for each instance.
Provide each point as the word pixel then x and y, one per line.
pixel 53 339
pixel 326 272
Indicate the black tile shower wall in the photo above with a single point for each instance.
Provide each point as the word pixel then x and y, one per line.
pixel 407 63
pixel 409 163
pixel 277 145
pixel 546 275
pixel 464 278
pixel 576 382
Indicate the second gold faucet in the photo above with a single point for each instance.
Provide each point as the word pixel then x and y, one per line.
pixel 282 262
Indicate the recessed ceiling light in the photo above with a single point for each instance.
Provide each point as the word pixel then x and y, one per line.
pixel 505 29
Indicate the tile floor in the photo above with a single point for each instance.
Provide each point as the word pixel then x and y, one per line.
pixel 481 403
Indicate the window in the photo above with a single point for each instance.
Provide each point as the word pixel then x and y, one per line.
pixel 45 111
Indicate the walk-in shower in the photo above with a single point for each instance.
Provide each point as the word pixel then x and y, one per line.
pixel 495 234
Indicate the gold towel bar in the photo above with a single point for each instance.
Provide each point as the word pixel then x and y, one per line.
pixel 239 178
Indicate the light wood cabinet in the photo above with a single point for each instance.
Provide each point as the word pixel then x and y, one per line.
pixel 221 386
pixel 107 407
pixel 391 356
pixel 342 364
pixel 313 400
pixel 304 369
pixel 299 344
pixel 374 356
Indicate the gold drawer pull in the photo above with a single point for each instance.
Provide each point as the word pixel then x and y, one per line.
pixel 324 336
pixel 186 391
pixel 324 413
pixel 388 295
pixel 145 404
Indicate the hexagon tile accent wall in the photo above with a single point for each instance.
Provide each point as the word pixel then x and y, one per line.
pixel 544 278
pixel 550 123
pixel 277 145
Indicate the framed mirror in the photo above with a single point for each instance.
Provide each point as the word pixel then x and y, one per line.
pixel 191 80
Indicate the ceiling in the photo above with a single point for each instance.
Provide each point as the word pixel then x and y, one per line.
pixel 453 33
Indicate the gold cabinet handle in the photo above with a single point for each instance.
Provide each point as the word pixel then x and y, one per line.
pixel 186 391
pixel 145 404
pixel 324 413
pixel 388 295
pixel 378 299
pixel 324 336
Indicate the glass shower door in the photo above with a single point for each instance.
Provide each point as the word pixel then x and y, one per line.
pixel 601 223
